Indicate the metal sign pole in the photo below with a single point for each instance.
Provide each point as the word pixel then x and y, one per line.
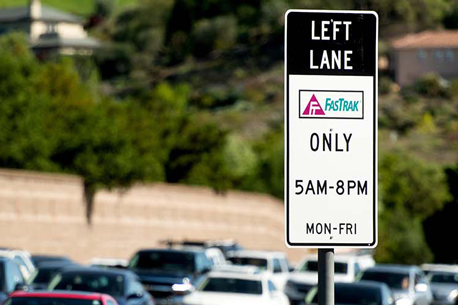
pixel 325 276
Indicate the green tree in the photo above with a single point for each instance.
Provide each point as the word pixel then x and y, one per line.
pixel 410 191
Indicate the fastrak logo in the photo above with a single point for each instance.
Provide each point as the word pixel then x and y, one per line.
pixel 331 104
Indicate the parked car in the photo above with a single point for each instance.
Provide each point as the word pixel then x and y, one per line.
pixel 444 286
pixel 169 272
pixel 275 264
pixel 305 277
pixel 23 259
pixel 365 292
pixel 11 278
pixel 38 259
pixel 62 297
pixel 45 272
pixel 241 289
pixel 122 285
pixel 408 283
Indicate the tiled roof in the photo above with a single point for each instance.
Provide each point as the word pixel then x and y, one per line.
pixel 47 14
pixel 428 39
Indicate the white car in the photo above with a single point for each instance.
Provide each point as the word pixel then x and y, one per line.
pixel 275 264
pixel 305 277
pixel 223 288
pixel 23 259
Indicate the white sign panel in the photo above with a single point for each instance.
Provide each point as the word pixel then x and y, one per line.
pixel 331 129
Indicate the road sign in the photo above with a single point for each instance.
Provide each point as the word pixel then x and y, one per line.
pixel 331 128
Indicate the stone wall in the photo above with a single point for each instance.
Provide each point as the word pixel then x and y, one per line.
pixel 44 213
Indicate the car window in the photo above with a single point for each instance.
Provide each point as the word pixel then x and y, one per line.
pixel 109 302
pixel 111 284
pixel 394 280
pixel 339 267
pixel 444 277
pixel 261 263
pixel 2 276
pixel 164 261
pixel 350 295
pixel 276 266
pixel 271 286
pixel 232 285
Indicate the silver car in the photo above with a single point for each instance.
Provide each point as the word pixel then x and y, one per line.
pixel 444 285
pixel 408 283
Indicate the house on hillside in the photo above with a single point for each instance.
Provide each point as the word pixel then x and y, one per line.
pixel 427 52
pixel 49 30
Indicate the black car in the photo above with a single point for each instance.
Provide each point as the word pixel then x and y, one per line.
pixel 45 272
pixel 10 278
pixel 39 259
pixel 123 285
pixel 364 292
pixel 167 273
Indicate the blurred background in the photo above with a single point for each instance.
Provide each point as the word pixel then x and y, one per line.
pixel 124 123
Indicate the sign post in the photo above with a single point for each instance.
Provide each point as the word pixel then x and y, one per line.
pixel 330 134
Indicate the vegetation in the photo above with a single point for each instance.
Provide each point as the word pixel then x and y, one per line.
pixel 193 93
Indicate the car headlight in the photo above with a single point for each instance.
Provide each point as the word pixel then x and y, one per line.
pixel 452 295
pixel 184 287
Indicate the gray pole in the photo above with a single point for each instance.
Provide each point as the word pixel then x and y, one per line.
pixel 325 276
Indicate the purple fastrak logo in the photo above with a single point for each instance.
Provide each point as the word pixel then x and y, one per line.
pixel 313 107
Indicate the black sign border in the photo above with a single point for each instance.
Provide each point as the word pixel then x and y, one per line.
pixel 372 244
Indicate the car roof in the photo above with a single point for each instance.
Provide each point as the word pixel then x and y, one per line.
pixel 56 264
pixel 5 259
pixel 58 294
pixel 189 250
pixel 96 270
pixel 256 254
pixel 392 268
pixel 229 275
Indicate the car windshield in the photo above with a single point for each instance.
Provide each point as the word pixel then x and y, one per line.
pixel 353 295
pixel 111 284
pixel 444 277
pixel 50 301
pixel 230 285
pixel 312 266
pixel 261 263
pixel 165 261
pixel 394 280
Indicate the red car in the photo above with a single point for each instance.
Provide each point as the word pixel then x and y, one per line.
pixel 59 298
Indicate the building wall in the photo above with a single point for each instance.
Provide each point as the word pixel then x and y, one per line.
pixel 412 64
pixel 44 213
pixel 65 30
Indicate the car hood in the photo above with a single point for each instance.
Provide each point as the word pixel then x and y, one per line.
pixel 220 298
